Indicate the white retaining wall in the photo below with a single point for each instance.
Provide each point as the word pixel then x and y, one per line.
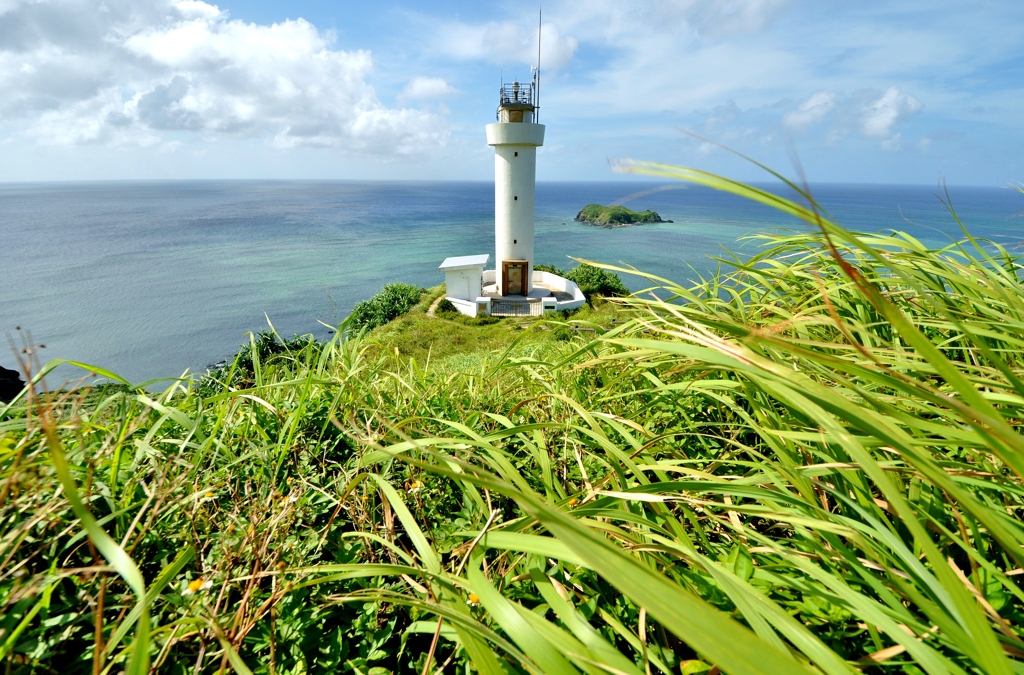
pixel 473 307
pixel 561 284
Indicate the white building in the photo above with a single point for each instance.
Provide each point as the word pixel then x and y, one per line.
pixel 512 288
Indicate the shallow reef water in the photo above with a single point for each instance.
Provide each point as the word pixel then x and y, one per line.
pixel 149 279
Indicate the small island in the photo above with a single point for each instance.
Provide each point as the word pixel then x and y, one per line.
pixel 616 216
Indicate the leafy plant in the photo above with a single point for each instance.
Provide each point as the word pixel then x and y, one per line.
pixel 597 282
pixel 394 300
pixel 809 462
pixel 446 307
pixel 593 281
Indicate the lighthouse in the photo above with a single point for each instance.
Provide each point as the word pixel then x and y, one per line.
pixel 515 138
pixel 512 288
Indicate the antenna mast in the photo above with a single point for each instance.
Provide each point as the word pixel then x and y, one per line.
pixel 536 85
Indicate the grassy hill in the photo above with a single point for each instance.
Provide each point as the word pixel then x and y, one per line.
pixel 809 463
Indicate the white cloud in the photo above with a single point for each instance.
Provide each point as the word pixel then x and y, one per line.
pixel 144 70
pixel 507 43
pixel 10 5
pixel 426 87
pixel 810 112
pixel 196 9
pixel 612 20
pixel 105 118
pixel 663 55
pixel 868 113
pixel 721 17
pixel 893 143
pixel 879 116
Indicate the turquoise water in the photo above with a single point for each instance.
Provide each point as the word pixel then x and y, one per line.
pixel 152 278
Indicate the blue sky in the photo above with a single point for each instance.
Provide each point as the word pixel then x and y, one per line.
pixel 880 92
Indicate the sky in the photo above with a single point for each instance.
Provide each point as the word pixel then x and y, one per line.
pixel 896 91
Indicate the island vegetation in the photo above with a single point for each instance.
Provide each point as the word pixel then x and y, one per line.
pixel 810 462
pixel 615 216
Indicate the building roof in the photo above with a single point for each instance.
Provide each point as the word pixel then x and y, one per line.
pixel 465 262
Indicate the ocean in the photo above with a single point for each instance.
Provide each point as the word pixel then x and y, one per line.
pixel 150 279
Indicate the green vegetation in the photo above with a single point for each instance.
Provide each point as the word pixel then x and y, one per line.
pixel 810 462
pixel 459 341
pixel 593 281
pixel 241 372
pixel 393 301
pixel 446 307
pixel 616 216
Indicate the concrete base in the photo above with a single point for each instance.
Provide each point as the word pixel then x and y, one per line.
pixel 479 307
pixel 550 293
pixel 555 292
pixel 491 291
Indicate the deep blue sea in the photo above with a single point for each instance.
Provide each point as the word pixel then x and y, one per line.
pixel 149 279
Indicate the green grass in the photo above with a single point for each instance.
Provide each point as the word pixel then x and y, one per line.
pixel 809 462
pixel 425 339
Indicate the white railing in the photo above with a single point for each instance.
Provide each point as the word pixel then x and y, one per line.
pixel 517 308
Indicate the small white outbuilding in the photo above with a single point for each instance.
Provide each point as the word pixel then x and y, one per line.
pixel 463 280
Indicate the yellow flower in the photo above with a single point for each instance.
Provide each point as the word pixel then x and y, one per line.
pixel 414 487
pixel 196 585
pixel 474 599
pixel 573 501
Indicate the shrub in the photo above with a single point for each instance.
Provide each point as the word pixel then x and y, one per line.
pixel 393 301
pixel 240 370
pixel 550 269
pixel 268 344
pixel 593 281
pixel 446 307
pixel 562 333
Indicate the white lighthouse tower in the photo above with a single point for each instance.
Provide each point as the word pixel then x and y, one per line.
pixel 515 137
pixel 512 288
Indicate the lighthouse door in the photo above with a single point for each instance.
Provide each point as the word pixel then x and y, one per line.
pixel 514 274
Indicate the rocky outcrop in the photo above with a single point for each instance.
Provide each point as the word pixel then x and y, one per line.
pixel 615 216
pixel 11 384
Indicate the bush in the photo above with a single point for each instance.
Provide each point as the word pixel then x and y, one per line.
pixel 446 307
pixel 551 269
pixel 593 281
pixel 562 333
pixel 240 370
pixel 393 301
pixel 268 344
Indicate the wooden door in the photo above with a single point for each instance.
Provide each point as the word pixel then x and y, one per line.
pixel 515 277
